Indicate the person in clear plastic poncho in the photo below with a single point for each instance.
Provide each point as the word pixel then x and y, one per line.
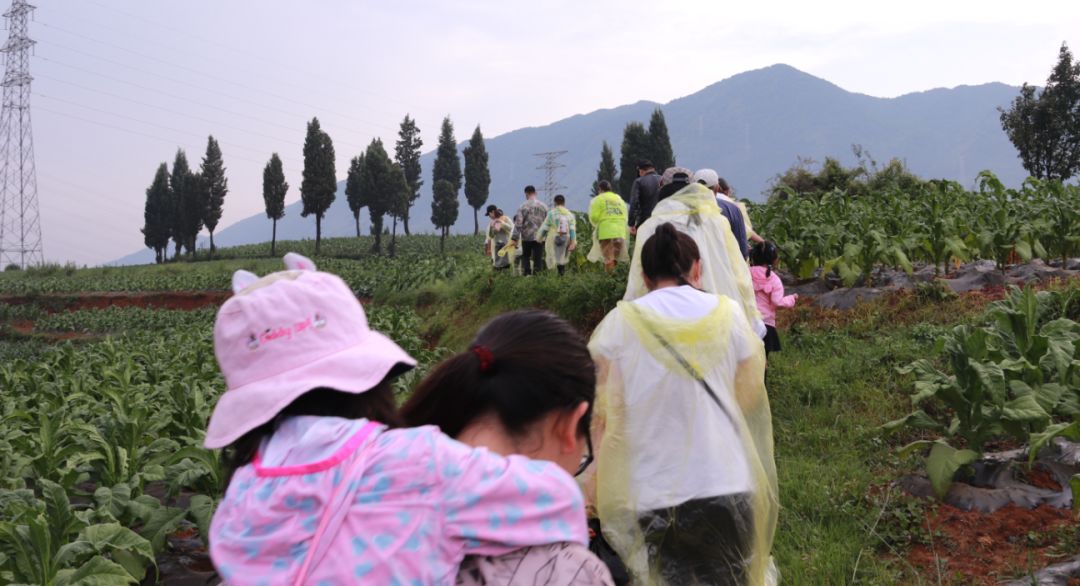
pixel 685 482
pixel 693 210
pixel 499 232
pixel 559 235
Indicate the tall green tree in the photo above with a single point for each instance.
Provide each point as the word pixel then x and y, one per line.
pixel 274 190
pixel 477 176
pixel 379 187
pixel 157 214
pixel 216 186
pixel 444 209
pixel 447 163
pixel 1045 126
pixel 319 185
pixel 607 170
pixel 188 204
pixel 399 203
pixel 352 189
pixel 195 204
pixel 661 153
pixel 635 146
pixel 407 156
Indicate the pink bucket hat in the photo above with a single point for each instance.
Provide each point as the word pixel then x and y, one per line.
pixel 285 334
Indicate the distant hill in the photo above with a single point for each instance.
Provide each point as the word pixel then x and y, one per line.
pixel 749 127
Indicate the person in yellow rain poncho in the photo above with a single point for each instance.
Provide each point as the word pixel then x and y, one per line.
pixel 694 211
pixel 559 235
pixel 499 232
pixel 607 214
pixel 685 482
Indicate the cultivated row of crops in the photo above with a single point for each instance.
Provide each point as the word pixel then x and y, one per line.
pixel 1016 377
pixel 100 444
pixel 354 248
pixel 937 223
pixel 366 275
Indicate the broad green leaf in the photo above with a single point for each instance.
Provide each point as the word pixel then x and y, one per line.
pixel 142 506
pixel 109 536
pixel 98 571
pixel 202 511
pixel 113 500
pixel 915 445
pixel 1074 485
pixel 161 523
pixel 918 420
pixel 71 552
pixel 1024 409
pixel 1037 441
pixel 1049 396
pixel 942 464
pixel 1023 250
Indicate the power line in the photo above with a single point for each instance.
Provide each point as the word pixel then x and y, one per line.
pixel 180 82
pixel 212 76
pixel 129 131
pixel 177 112
pixel 133 119
pixel 204 39
pixel 184 83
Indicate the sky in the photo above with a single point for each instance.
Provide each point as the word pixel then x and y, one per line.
pixel 120 85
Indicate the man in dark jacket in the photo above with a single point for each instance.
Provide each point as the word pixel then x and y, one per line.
pixel 643 194
pixel 731 210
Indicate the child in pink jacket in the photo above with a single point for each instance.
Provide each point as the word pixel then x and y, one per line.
pixel 768 290
pixel 325 487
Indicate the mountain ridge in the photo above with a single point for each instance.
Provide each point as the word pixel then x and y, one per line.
pixel 750 127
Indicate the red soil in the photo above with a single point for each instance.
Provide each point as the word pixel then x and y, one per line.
pixel 184 300
pixel 26 328
pixel 1041 478
pixel 970 547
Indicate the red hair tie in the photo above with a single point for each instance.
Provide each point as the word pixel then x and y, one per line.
pixel 487 359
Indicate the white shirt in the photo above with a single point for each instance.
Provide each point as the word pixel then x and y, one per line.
pixel 681 445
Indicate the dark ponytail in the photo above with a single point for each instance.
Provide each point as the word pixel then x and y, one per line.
pixel 669 254
pixel 764 254
pixel 521 366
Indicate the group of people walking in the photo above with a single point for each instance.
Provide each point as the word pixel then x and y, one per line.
pixel 656 432
pixel 536 233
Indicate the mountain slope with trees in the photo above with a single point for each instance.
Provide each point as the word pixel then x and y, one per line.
pixel 749 127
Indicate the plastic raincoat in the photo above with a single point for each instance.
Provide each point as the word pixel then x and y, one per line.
pixel 694 211
pixel 558 232
pixel 498 235
pixel 683 479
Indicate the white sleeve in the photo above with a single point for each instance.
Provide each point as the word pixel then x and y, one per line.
pixel 741 342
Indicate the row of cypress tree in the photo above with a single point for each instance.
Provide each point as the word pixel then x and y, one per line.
pixel 179 204
pixel 638 143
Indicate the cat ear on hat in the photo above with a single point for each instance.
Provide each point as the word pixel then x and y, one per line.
pixel 242 280
pixel 296 262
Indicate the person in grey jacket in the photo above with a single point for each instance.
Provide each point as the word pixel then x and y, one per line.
pixel 643 194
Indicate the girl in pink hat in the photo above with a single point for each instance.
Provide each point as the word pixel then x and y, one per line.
pixel 324 487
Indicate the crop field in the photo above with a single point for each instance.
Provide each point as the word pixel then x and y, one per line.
pixel 108 377
pixel 936 224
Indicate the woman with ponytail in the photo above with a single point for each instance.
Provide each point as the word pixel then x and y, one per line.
pixel 685 483
pixel 524 387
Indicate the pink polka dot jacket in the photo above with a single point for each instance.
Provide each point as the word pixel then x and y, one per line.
pixel 403 506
